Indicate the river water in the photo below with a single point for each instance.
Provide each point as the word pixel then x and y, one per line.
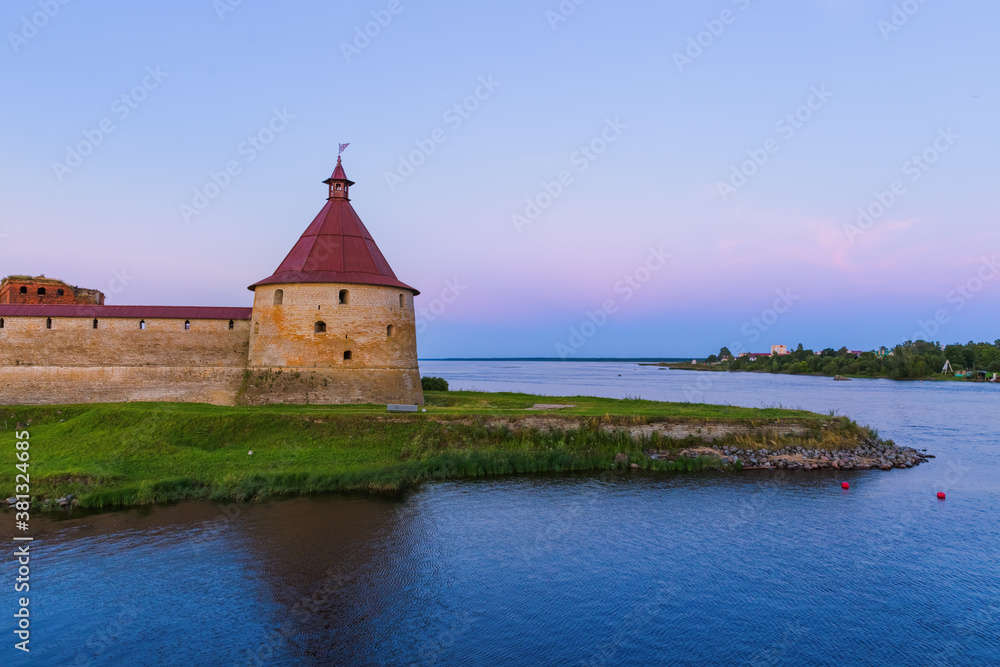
pixel 752 568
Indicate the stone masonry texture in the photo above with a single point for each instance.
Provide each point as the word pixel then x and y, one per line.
pixel 280 355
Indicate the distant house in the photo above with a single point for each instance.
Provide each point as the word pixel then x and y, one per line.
pixel 754 356
pixel 779 350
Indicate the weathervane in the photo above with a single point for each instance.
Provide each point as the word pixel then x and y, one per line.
pixel 342 147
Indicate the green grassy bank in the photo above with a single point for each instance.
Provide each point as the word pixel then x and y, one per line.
pixel 110 455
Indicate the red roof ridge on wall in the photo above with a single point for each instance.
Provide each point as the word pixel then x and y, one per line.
pixel 152 312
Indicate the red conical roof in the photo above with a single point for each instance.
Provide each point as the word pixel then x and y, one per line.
pixel 336 248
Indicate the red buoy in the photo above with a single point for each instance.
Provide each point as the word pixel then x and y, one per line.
pixel 940 495
pixel 845 485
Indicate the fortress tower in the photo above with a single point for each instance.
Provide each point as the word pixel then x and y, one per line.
pixel 333 324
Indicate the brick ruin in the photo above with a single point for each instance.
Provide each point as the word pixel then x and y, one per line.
pixel 41 290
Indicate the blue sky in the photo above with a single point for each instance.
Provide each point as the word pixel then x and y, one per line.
pixel 602 166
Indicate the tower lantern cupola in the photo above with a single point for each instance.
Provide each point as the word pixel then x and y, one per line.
pixel 339 184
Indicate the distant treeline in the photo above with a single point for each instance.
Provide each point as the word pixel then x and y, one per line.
pixel 910 360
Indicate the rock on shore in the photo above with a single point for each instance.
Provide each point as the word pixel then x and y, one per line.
pixel 868 456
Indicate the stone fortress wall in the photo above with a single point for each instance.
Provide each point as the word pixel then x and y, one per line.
pixel 277 356
pixel 75 342
pixel 333 324
pixel 65 385
pixel 47 360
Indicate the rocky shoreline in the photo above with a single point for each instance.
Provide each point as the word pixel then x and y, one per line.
pixel 869 456
pixel 864 453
